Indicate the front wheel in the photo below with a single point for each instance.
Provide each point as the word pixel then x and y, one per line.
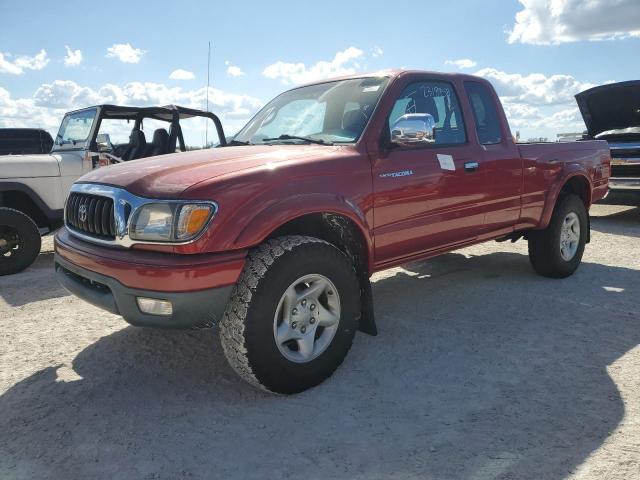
pixel 556 251
pixel 19 241
pixel 293 314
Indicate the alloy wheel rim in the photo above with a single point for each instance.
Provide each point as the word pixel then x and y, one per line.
pixel 11 242
pixel 569 236
pixel 307 318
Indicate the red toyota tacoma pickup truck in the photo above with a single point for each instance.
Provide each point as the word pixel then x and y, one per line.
pixel 274 236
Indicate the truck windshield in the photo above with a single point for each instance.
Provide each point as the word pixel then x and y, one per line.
pixel 75 129
pixel 331 112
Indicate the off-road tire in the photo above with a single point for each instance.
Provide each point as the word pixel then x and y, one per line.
pixel 544 245
pixel 246 329
pixel 29 249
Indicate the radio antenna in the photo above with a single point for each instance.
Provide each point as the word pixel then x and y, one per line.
pixel 206 124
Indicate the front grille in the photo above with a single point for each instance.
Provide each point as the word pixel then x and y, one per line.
pixel 622 171
pixel 625 152
pixel 91 215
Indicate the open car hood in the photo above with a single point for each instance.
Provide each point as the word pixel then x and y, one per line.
pixel 614 106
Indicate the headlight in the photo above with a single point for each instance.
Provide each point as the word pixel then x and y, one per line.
pixel 170 222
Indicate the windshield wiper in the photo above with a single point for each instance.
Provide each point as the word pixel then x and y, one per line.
pixel 61 141
pixel 285 136
pixel 231 143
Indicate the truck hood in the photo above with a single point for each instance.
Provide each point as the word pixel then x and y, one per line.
pixel 28 166
pixel 615 106
pixel 167 176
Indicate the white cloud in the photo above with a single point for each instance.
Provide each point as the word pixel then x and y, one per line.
pixel 6 66
pixel 462 63
pixel 24 113
pixel 342 64
pixel 545 22
pixel 68 94
pixel 73 57
pixel 538 104
pixel 542 121
pixel 64 94
pixel 181 74
pixel 51 100
pixel 37 62
pixel 377 51
pixel 125 53
pixel 534 88
pixel 233 70
pixel 22 62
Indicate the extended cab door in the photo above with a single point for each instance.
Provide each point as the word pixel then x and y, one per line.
pixel 426 195
pixel 501 162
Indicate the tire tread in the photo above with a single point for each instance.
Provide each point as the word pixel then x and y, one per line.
pixel 543 244
pixel 232 325
pixel 34 235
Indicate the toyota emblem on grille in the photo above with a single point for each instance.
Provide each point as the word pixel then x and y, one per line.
pixel 82 212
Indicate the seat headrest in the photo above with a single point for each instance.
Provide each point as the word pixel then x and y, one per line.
pixel 160 137
pixel 421 104
pixel 354 120
pixel 137 138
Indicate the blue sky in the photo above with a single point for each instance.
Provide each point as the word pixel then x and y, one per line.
pixel 538 53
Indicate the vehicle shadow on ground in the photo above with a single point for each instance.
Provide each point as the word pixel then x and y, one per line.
pixel 625 222
pixel 622 198
pixel 28 286
pixel 467 380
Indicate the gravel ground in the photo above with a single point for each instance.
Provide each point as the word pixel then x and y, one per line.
pixel 481 370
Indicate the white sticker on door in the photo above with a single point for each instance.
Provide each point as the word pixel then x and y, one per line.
pixel 446 162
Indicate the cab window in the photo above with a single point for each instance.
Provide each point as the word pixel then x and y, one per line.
pixel 485 113
pixel 437 99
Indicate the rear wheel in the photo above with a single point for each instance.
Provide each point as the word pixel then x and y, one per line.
pixel 556 251
pixel 19 241
pixel 292 315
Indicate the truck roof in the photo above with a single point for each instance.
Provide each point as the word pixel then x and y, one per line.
pixel 398 72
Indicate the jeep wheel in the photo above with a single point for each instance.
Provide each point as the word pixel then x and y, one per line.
pixel 292 315
pixel 556 251
pixel 19 241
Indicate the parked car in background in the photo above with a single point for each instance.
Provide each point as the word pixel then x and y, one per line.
pixel 276 237
pixel 34 187
pixel 24 141
pixel 612 113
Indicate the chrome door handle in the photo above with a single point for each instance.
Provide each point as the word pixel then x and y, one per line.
pixel 471 166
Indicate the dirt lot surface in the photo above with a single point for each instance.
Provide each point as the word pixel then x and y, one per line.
pixel 481 370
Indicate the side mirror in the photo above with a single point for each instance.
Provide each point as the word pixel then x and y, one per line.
pixel 413 129
pixel 104 142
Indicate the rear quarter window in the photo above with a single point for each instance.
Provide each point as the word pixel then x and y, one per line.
pixel 485 113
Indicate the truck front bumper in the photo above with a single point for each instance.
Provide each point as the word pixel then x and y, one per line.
pixel 114 280
pixel 629 183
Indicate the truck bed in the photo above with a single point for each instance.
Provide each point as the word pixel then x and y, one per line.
pixel 552 159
